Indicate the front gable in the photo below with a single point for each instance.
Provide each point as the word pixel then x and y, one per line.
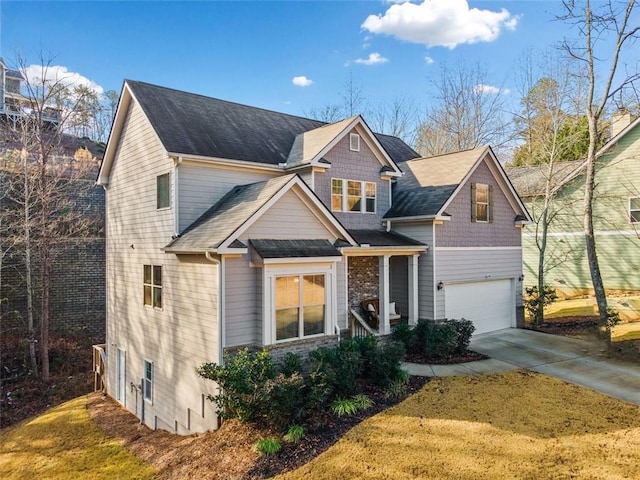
pixel 463 231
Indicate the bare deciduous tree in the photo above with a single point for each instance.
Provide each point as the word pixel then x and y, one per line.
pixel 603 35
pixel 469 112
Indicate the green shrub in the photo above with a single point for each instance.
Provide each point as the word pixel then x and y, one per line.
pixel 241 379
pixel 294 434
pixel 534 303
pixel 292 364
pixel 381 364
pixel 441 340
pixel 347 365
pixel 283 400
pixel 404 334
pixel 268 446
pixel 420 333
pixel 465 329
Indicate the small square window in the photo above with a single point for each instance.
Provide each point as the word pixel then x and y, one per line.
pixel 163 191
pixel 634 210
pixel 354 142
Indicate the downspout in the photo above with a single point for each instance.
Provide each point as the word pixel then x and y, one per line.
pixel 219 269
pixel 176 196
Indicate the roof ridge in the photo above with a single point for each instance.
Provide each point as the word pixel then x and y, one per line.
pixel 229 102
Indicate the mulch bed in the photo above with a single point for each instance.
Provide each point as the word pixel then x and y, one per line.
pixel 467 356
pixel 228 452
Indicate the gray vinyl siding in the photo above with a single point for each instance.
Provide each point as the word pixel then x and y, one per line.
pixel 182 334
pixel 200 186
pixel 288 218
pixel 399 283
pixel 462 265
pixel 460 231
pixel 349 165
pixel 423 232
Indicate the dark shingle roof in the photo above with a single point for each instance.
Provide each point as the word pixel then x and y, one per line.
pixel 381 238
pixel 294 248
pixel 418 202
pixel 197 125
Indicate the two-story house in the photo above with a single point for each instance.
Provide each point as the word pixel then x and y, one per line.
pixel 616 216
pixel 231 226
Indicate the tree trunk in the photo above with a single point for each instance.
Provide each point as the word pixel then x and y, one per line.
pixel 590 239
pixel 28 270
pixel 539 320
pixel 46 267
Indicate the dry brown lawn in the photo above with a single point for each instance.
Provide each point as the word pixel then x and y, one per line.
pixel 513 425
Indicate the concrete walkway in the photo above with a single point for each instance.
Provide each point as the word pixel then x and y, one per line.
pixel 576 361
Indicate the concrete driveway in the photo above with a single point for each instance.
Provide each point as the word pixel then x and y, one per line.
pixel 576 361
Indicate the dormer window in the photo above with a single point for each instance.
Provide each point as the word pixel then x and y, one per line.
pixel 354 142
pixel 481 203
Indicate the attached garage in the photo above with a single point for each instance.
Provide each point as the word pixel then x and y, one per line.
pixel 490 305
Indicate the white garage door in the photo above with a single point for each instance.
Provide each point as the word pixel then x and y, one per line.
pixel 489 305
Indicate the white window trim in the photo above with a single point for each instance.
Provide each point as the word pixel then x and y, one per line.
pixel 363 196
pixel 354 142
pixel 270 272
pixel 153 285
pixel 168 207
pixel 144 380
pixel 482 203
pixel 636 210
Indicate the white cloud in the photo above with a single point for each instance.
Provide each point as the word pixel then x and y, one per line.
pixel 429 60
pixel 490 89
pixel 373 59
pixel 446 23
pixel 36 74
pixel 301 81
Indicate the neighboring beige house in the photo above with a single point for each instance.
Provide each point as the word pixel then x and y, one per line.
pixel 231 226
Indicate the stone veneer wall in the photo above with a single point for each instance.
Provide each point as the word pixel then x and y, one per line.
pixel 364 275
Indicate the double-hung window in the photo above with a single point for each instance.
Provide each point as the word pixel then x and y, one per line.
pixel 634 210
pixel 353 196
pixel 300 306
pixel 153 285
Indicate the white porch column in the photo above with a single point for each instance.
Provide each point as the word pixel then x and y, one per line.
pixel 413 289
pixel 385 327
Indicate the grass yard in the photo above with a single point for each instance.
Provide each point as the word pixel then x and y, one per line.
pixel 512 425
pixel 64 443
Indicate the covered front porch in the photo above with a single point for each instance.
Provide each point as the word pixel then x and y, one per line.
pixel 382 281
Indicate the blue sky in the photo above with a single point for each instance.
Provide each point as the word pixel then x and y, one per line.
pixel 250 52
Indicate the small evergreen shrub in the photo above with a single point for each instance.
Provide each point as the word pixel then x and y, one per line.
pixel 404 334
pixel 441 340
pixel 464 329
pixel 534 302
pixel 268 446
pixel 283 400
pixel 292 364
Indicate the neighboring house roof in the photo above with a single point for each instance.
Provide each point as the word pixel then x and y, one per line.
pixel 267 248
pixel 381 238
pixel 431 183
pixel 10 72
pixel 220 225
pixel 192 124
pixel 531 181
